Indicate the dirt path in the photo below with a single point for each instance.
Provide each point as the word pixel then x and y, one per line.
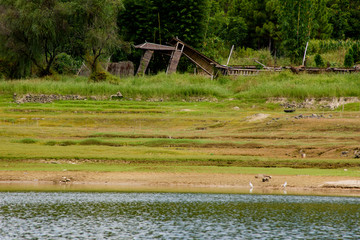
pixel 186 182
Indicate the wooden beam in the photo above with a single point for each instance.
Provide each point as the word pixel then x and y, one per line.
pixel 145 60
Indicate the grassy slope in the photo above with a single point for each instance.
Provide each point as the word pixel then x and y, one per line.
pixel 188 87
pixel 180 136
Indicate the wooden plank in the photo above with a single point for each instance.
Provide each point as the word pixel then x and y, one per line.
pixel 174 61
pixel 145 60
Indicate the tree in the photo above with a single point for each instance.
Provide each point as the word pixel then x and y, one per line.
pixel 98 31
pixel 33 32
pixel 322 28
pixel 339 18
pixel 296 17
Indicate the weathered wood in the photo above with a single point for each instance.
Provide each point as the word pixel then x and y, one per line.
pixel 145 60
pixel 121 69
pixel 213 68
pixel 174 61
pixel 175 58
pixel 154 47
pixel 202 61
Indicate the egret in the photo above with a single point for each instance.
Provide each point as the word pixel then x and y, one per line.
pixel 284 185
pixel 251 185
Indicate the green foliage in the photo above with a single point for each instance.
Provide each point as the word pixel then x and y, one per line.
pixel 100 32
pixel 321 28
pixel 189 87
pixel 296 26
pixel 34 32
pixel 345 17
pixel 28 141
pixel 66 64
pixel 349 59
pixel 330 45
pixel 98 76
pixel 356 52
pixel 319 61
pixel 158 21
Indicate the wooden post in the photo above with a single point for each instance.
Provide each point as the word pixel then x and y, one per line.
pixel 307 44
pixel 232 48
pixel 145 60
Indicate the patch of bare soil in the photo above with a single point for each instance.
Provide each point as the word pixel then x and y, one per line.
pixel 188 181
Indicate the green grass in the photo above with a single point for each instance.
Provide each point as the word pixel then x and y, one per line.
pixel 109 167
pixel 28 141
pixel 178 87
pixel 200 134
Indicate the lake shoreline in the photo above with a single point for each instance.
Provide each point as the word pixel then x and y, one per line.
pixel 178 182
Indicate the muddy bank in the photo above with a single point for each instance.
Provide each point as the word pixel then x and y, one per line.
pixel 184 182
pixel 312 103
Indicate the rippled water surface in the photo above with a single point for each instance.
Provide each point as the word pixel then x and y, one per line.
pixel 176 216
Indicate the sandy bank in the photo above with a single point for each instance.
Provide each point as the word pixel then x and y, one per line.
pixel 184 182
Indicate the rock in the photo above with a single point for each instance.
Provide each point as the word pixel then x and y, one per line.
pixel 65 180
pixel 357 154
pixel 265 179
pixel 258 117
pixel 118 95
pixel 43 98
pixel 344 153
pixel 236 108
pixel 262 176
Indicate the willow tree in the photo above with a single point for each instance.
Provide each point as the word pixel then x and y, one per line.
pixel 96 22
pixel 32 33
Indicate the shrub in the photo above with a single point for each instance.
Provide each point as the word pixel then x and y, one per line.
pixel 356 53
pixel 67 143
pixel 50 143
pixel 65 64
pixel 319 61
pixel 98 76
pixel 349 60
pixel 28 140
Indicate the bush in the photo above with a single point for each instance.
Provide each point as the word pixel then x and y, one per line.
pixel 319 61
pixel 98 76
pixel 356 53
pixel 65 64
pixel 28 140
pixel 349 60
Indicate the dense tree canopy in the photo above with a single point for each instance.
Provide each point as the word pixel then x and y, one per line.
pixel 34 32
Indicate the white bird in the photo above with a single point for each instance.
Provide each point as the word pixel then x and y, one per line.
pixel 284 185
pixel 251 185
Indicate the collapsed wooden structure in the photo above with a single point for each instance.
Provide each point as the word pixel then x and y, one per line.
pixel 177 48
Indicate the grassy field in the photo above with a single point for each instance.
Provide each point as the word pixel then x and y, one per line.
pixel 182 123
pixel 179 87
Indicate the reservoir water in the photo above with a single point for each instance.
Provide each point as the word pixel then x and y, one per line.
pixel 59 215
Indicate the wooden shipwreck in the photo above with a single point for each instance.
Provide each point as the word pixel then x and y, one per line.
pixel 177 48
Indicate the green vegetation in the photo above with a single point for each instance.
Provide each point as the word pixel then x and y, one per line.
pixel 35 34
pixel 41 38
pixel 188 87
pixel 210 128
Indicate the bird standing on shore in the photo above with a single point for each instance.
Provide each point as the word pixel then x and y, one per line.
pixel 251 187
pixel 284 185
